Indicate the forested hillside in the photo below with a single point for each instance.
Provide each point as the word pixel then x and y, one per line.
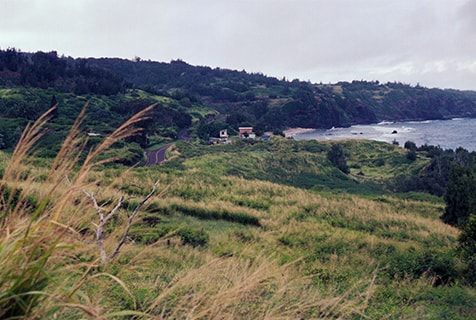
pixel 254 229
pixel 269 103
pixel 242 98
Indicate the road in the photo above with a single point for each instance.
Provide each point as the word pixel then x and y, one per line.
pixel 156 156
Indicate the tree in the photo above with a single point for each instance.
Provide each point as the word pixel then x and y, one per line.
pixel 337 156
pixel 467 248
pixel 410 145
pixel 411 155
pixel 459 196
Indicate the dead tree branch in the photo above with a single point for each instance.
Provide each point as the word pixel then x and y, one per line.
pixel 130 220
pixel 103 220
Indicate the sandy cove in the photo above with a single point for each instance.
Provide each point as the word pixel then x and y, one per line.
pixel 293 131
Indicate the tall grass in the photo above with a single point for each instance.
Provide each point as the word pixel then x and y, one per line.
pixel 254 286
pixel 39 276
pixel 295 253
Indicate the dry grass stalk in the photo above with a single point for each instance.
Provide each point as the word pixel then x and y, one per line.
pixel 32 247
pixel 255 288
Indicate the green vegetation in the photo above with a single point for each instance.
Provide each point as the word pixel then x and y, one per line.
pixel 467 248
pixel 199 98
pixel 337 157
pixel 249 230
pixel 256 230
pixel 459 196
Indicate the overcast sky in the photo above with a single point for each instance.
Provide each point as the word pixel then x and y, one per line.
pixel 430 42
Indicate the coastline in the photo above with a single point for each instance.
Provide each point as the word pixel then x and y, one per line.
pixel 293 131
pixel 458 132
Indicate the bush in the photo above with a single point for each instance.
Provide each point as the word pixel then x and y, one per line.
pixel 467 249
pixel 411 155
pixel 337 156
pixel 13 198
pixel 459 196
pixel 437 266
pixel 193 237
pixel 206 214
pixel 410 145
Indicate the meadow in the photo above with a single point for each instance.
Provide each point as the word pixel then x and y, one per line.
pixel 252 230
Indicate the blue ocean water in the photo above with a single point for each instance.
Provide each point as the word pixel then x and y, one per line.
pixel 448 134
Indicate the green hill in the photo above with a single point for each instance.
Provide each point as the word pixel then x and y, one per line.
pixel 241 98
pixel 250 230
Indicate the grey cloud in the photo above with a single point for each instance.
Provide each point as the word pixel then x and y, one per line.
pixel 428 41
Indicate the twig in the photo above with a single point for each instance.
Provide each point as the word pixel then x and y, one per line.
pixel 131 218
pixel 103 220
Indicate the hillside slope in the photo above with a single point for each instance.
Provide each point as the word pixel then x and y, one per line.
pixel 263 102
pixel 226 239
pixel 300 104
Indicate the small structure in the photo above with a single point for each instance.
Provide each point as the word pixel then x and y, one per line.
pixel 223 134
pixel 214 140
pixel 222 139
pixel 266 136
pixel 246 133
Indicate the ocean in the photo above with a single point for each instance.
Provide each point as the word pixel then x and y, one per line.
pixel 448 134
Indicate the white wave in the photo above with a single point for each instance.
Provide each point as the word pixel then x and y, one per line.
pixel 425 121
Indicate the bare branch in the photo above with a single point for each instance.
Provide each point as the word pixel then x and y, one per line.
pixel 103 220
pixel 113 212
pixel 130 220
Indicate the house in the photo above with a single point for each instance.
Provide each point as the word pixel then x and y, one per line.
pixel 222 139
pixel 246 132
pixel 223 134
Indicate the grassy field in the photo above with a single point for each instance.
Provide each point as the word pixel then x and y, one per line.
pixel 243 231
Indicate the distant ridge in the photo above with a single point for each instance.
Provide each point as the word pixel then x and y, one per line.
pixel 253 99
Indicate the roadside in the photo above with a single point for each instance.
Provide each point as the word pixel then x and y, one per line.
pixel 157 156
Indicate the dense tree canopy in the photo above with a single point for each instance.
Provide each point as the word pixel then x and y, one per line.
pixel 48 70
pixel 262 101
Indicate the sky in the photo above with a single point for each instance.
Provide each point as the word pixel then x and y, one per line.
pixel 427 42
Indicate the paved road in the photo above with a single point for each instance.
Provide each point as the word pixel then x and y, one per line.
pixel 156 156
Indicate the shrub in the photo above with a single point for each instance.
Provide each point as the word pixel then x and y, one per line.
pixel 193 237
pixel 207 214
pixel 467 249
pixel 12 198
pixel 337 156
pixel 410 145
pixel 379 162
pixel 459 196
pixel 437 266
pixel 411 155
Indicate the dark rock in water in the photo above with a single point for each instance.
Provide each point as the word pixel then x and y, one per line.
pixel 394 131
